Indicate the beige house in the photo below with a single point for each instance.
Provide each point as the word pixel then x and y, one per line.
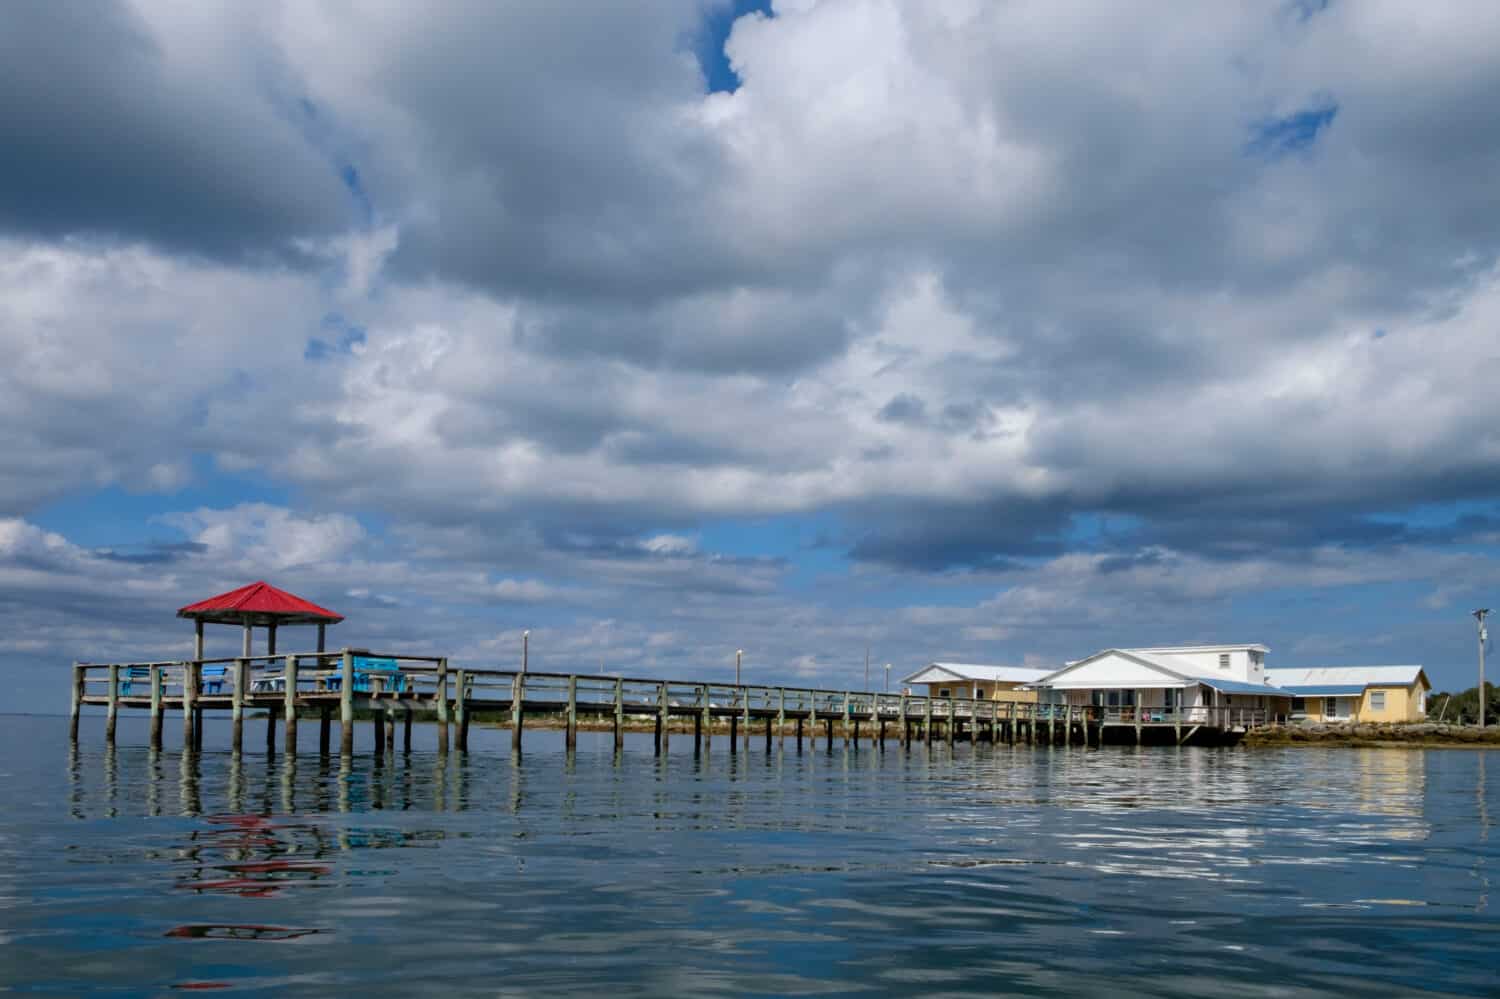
pixel 985 683
pixel 1355 693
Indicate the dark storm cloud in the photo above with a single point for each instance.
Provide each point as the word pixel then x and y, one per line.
pixel 573 170
pixel 936 536
pixel 105 137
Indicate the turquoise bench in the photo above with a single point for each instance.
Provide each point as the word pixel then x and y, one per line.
pixel 367 669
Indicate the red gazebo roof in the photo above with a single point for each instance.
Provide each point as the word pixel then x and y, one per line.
pixel 260 604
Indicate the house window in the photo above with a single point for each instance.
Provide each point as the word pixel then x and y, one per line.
pixel 1223 660
pixel 1330 707
pixel 1299 705
pixel 1377 700
pixel 944 692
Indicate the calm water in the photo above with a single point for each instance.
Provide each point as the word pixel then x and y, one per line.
pixel 984 870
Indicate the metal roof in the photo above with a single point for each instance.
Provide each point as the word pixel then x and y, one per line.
pixel 1241 687
pixel 1170 649
pixel 976 671
pixel 1344 675
pixel 1327 690
pixel 259 603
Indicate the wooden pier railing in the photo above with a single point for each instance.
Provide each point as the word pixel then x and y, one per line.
pixel 388 685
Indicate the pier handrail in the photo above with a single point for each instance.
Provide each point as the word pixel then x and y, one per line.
pixel 421 676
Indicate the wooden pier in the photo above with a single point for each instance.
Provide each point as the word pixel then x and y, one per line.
pixel 391 689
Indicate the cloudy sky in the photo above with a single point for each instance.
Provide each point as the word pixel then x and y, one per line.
pixel 1002 331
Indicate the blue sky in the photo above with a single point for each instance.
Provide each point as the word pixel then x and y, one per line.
pixel 994 332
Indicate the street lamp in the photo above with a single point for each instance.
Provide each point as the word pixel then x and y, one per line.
pixel 525 648
pixel 1479 616
pixel 738 653
pixel 887 687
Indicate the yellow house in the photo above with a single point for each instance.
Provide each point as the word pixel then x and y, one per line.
pixel 1355 693
pixel 986 683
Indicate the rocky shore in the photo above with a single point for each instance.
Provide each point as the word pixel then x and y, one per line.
pixel 1416 735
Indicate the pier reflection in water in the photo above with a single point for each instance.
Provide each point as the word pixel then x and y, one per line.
pixel 982 869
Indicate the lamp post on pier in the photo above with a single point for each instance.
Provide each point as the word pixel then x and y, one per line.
pixel 525 648
pixel 738 654
pixel 887 687
pixel 1479 616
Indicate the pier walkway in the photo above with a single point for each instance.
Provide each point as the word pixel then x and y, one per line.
pixel 392 688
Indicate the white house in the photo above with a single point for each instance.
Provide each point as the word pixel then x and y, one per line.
pixel 1222 686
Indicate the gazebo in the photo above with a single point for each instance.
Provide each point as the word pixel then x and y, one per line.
pixel 259 604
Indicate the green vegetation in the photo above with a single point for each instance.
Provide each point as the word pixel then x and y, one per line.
pixel 1463 708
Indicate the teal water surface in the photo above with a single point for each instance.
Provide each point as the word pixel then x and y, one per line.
pixel 976 870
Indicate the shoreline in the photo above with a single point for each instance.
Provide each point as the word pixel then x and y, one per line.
pixel 1412 735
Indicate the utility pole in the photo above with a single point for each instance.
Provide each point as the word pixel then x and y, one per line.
pixel 525 648
pixel 1479 616
pixel 887 687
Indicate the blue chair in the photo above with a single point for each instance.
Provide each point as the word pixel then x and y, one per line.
pixel 366 668
pixel 213 679
pixel 135 673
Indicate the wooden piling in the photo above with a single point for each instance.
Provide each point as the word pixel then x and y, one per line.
pixel 952 722
pixel 114 704
pixel 904 732
pixel 664 718
pixel 270 731
pixel 237 704
pixel 377 729
pixel 325 724
pixel 461 709
pixel 927 722
pixel 703 724
pixel 156 706
pixel 781 715
pixel 406 729
pixel 619 713
pixel 390 729
pixel 828 733
pixel 517 711
pixel 191 674
pixel 442 705
pixel 571 737
pixel 346 705
pixel 746 694
pixel 289 705
pixel 769 722
pixel 846 719
pixel 799 733
pixel 734 733
pixel 77 706
pixel 198 727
